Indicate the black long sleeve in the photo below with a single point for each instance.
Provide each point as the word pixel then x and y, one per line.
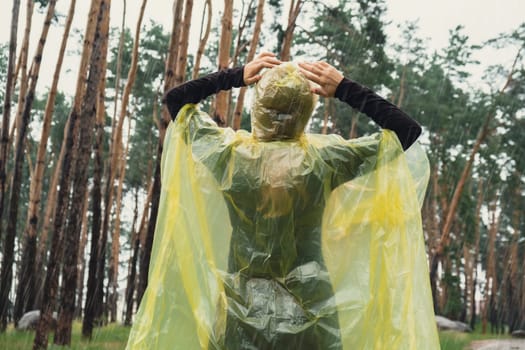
pixel 384 113
pixel 197 90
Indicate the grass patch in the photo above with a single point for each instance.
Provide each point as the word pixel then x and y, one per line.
pixel 451 340
pixel 112 337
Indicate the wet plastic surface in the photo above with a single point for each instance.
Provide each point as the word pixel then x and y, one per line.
pixel 282 105
pixel 308 244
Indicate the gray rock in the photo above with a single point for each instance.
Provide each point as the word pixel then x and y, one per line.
pixel 30 321
pixel 444 323
pixel 519 333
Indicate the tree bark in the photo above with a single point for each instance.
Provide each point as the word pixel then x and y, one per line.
pixel 164 121
pixel 512 295
pixel 23 122
pixel 203 40
pixel 477 237
pixel 295 9
pixel 26 291
pixel 56 250
pixel 82 152
pixel 5 133
pixel 221 100
pixel 237 114
pixel 113 172
pixel 491 284
pixel 132 263
pixel 96 199
pixel 81 256
pixel 180 71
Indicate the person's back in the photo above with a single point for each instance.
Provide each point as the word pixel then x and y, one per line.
pixel 275 291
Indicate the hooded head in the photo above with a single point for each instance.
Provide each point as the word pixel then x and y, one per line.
pixel 283 104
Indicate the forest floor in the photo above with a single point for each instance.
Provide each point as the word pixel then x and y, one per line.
pixel 498 344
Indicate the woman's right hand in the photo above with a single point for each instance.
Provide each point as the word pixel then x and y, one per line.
pixel 263 60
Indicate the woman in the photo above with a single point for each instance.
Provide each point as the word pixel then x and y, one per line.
pixel 246 218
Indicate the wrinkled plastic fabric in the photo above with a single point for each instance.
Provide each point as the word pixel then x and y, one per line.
pixel 282 105
pixel 309 244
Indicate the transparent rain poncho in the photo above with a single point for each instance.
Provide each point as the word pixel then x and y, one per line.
pixel 311 242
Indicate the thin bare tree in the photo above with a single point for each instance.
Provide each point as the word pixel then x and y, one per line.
pixel 222 98
pixel 55 255
pixel 169 78
pixel 237 114
pixel 23 122
pixel 26 291
pixel 113 172
pixel 5 135
pixel 293 14
pixel 203 38
pixel 180 70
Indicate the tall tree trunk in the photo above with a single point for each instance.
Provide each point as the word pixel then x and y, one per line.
pixel 477 238
pixel 513 287
pixel 164 121
pixel 56 250
pixel 96 199
pixel 81 255
pixel 115 244
pixel 295 9
pixel 237 114
pixel 491 284
pixel 221 100
pixel 23 122
pixel 5 135
pixel 203 39
pixel 113 172
pixel 83 146
pixel 180 70
pixel 132 263
pixel 26 291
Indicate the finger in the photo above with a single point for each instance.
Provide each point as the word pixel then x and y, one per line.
pixel 266 54
pixel 271 60
pixel 323 64
pixel 253 79
pixel 264 64
pixel 319 91
pixel 310 76
pixel 311 67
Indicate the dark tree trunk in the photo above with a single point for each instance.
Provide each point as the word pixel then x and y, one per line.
pixel 23 123
pixel 96 199
pixel 145 253
pixel 132 270
pixel 27 290
pixel 4 299
pixel 83 152
pixel 56 250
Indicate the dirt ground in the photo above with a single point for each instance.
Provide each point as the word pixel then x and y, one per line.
pixel 508 344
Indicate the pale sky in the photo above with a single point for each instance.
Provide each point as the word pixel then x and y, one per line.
pixel 483 19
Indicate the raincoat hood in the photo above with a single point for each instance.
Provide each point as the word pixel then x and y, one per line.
pixel 283 104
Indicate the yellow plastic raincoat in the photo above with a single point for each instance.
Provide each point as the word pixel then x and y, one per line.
pixel 309 243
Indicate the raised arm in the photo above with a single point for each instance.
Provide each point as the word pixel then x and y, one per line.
pixel 197 90
pixel 385 114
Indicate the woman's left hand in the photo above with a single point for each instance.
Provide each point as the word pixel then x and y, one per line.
pixel 324 75
pixel 252 69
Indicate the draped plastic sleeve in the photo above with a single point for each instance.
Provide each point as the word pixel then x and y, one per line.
pixel 374 252
pixel 184 301
pixel 267 245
